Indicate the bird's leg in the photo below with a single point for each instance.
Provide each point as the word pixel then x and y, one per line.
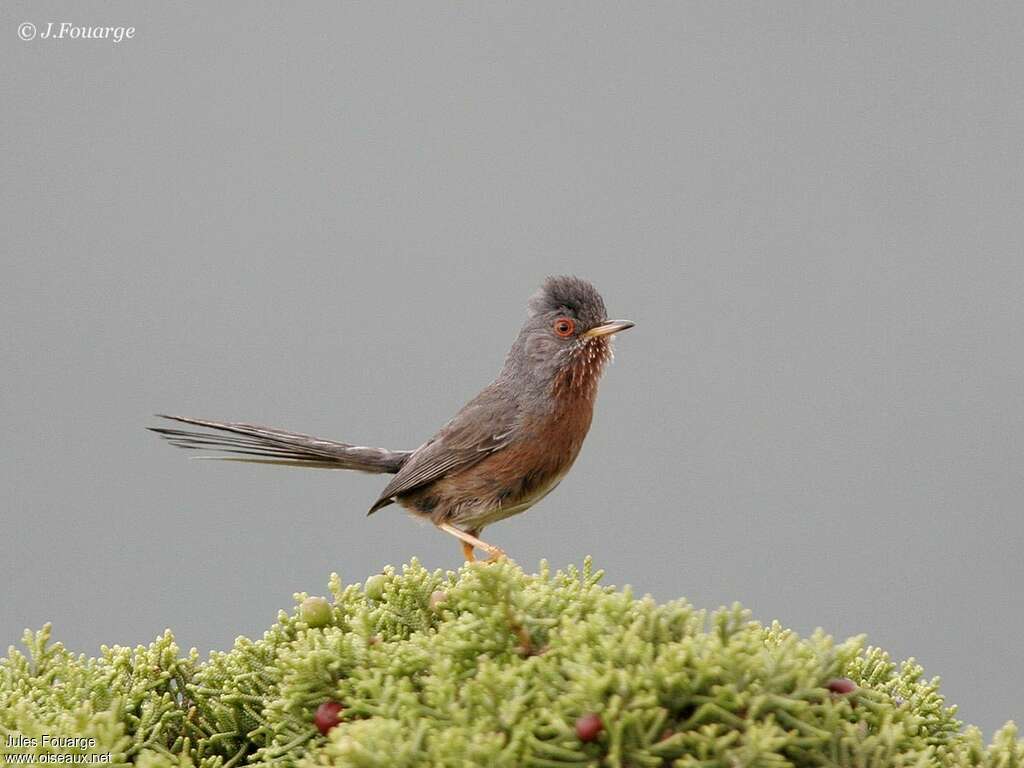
pixel 469 541
pixel 467 548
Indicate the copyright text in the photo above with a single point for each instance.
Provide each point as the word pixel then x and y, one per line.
pixel 66 30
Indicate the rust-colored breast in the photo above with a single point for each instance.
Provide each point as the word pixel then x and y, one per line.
pixel 516 477
pixel 519 475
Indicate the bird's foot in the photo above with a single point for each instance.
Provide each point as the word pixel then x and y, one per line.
pixel 470 542
pixel 494 554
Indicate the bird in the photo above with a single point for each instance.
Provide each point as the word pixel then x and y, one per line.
pixel 504 451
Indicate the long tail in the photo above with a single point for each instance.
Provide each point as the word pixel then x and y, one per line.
pixel 275 446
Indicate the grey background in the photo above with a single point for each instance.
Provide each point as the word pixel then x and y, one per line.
pixel 328 218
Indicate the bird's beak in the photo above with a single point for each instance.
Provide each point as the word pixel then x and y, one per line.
pixel 609 328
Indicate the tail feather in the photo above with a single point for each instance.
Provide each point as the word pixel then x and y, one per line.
pixel 275 446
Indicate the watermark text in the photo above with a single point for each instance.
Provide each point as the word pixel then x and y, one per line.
pixel 66 30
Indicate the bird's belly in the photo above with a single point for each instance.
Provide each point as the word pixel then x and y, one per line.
pixel 500 486
pixel 508 481
pixel 500 511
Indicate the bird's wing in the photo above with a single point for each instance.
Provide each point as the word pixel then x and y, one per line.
pixel 486 424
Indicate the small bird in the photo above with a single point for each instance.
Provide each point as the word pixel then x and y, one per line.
pixel 507 448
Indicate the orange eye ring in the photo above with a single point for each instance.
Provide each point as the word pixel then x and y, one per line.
pixel 564 327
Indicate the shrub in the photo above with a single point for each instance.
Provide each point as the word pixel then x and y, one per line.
pixel 494 667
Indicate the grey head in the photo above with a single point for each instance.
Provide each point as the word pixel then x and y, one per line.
pixel 566 340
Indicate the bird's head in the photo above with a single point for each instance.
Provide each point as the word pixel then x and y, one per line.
pixel 566 340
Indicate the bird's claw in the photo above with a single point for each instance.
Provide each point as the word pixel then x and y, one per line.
pixel 495 554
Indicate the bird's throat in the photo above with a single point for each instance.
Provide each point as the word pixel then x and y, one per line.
pixel 582 372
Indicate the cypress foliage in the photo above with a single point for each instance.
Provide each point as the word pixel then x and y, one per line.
pixel 493 667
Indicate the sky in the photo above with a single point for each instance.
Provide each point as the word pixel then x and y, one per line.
pixel 328 218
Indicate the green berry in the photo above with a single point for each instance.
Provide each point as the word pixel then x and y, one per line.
pixel 374 587
pixel 315 611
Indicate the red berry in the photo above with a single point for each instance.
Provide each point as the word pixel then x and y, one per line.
pixel 327 716
pixel 841 685
pixel 589 726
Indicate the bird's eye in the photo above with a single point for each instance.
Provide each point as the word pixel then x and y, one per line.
pixel 564 327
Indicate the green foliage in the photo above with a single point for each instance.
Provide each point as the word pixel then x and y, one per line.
pixel 490 666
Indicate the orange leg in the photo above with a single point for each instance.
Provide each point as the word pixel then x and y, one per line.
pixel 471 542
